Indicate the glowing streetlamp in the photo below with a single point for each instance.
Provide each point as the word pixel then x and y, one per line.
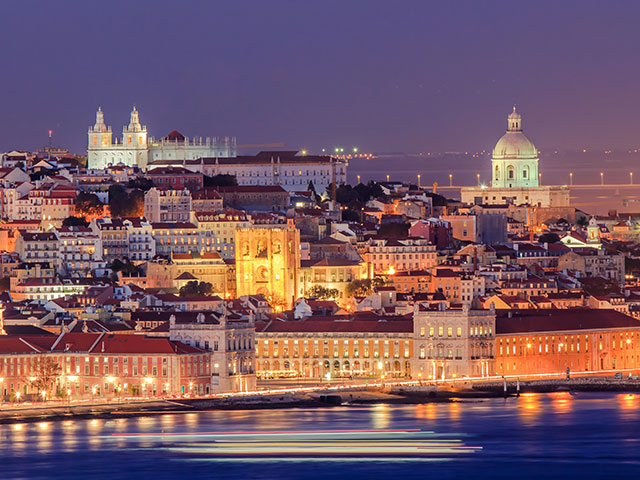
pixel 358 179
pixel 387 177
pixel 451 179
pixel 478 178
pixel 570 178
pixel 630 178
pixel 601 178
pixel 418 180
pixel 539 179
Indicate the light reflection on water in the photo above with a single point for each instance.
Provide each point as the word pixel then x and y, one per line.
pixel 574 433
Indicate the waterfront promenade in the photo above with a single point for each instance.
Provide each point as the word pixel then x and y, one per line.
pixel 289 393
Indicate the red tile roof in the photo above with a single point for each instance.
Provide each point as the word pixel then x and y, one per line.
pixel 557 320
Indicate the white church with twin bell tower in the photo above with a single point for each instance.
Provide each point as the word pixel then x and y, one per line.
pixel 137 149
pixel 514 174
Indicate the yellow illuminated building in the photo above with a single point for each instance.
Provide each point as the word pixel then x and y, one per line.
pixel 268 263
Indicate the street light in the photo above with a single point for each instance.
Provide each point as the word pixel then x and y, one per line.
pixel 630 178
pixel 387 177
pixel 478 177
pixel 358 179
pixel 451 179
pixel 570 178
pixel 418 180
pixel 601 178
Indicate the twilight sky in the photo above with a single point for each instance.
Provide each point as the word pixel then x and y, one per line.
pixel 408 76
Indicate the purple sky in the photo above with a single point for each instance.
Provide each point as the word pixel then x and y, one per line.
pixel 386 76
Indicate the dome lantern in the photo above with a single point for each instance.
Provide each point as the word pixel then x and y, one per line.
pixel 514 121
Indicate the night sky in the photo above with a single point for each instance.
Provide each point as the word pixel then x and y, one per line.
pixel 386 76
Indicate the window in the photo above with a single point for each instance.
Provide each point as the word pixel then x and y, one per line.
pixel 459 331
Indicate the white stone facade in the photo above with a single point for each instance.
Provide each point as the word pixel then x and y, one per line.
pixel 453 343
pixel 135 148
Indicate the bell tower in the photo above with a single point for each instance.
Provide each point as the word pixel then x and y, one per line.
pixel 100 142
pixel 134 140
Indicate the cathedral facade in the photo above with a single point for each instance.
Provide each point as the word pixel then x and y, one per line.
pixel 515 178
pixel 136 149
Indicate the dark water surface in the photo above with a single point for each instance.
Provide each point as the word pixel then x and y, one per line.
pixel 535 436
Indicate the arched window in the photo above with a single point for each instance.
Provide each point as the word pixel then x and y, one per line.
pixel 497 173
pixel 510 172
pixel 525 172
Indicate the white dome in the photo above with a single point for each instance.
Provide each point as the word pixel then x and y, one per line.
pixel 516 145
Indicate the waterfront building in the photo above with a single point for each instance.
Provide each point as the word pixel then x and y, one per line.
pixel 268 263
pixel 230 340
pixel 135 148
pixel 573 340
pixel 453 343
pixel 94 365
pixel 360 344
pixel 515 175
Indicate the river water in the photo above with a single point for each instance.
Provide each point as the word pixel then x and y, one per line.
pixel 557 435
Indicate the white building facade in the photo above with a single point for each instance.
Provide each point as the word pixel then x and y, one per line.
pixel 135 148
pixel 515 178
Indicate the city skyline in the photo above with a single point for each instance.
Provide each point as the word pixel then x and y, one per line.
pixel 317 76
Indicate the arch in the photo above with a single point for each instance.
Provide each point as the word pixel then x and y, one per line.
pixel 525 172
pixel 286 365
pixel 336 365
pixel 276 365
pixel 346 365
pixel 356 366
pixel 497 174
pixel 511 172
pixel 397 366
pixel 327 365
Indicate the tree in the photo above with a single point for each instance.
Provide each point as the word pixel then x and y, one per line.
pixel 549 237
pixel 394 230
pixel 123 203
pixel 323 293
pixel 221 180
pixel 141 183
pixel 88 204
pixel 127 268
pixel 45 373
pixel 599 286
pixel 276 301
pixel 361 288
pixel 74 222
pixel 196 289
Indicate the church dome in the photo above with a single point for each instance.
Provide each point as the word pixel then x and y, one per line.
pixel 514 144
